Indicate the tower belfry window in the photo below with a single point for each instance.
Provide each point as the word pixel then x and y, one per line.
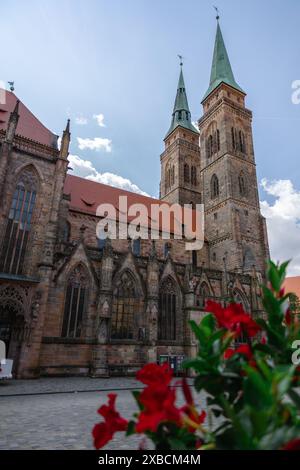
pixel 214 186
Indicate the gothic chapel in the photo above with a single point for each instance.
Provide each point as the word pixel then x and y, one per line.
pixel 71 304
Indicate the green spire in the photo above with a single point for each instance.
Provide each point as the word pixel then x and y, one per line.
pixel 221 71
pixel 181 115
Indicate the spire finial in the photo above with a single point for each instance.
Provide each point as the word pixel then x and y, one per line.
pixel 181 60
pixel 217 11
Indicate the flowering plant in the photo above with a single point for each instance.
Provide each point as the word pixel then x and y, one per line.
pixel 251 388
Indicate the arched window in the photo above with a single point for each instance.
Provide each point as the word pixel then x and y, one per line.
pixel 209 146
pixel 242 141
pixel 194 175
pixel 125 307
pixel 19 224
pixel 173 175
pixel 202 295
pixel 242 185
pixel 233 137
pixel 186 173
pixel 218 139
pixel 75 303
pixel 167 311
pixel 214 186
pixel 136 247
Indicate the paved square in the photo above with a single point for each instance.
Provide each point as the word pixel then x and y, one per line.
pixel 59 418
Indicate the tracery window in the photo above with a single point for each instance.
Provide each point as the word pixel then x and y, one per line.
pixel 18 225
pixel 75 303
pixel 125 307
pixel 202 295
pixel 186 173
pixel 167 311
pixel 214 186
pixel 242 185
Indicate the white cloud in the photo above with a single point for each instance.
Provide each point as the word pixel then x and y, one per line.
pixel 85 169
pixel 283 222
pixel 81 120
pixel 97 143
pixel 100 119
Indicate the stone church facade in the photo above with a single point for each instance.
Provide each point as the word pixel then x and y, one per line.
pixel 71 304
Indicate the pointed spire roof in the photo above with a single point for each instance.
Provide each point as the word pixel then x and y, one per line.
pixel 221 71
pixel 181 115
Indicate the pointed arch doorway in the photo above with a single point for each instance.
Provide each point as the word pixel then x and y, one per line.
pixel 12 330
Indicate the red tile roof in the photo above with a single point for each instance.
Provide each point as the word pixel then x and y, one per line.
pixel 87 195
pixel 292 284
pixel 28 126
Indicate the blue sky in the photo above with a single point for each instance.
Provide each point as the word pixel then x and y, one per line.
pixel 118 58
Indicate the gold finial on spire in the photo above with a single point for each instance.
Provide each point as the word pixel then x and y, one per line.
pixel 217 11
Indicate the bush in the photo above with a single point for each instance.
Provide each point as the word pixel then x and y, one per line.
pixel 252 397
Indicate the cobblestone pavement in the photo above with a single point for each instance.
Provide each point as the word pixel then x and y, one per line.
pixel 65 384
pixel 61 420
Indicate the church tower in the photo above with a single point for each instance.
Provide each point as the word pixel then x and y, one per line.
pixel 235 228
pixel 180 161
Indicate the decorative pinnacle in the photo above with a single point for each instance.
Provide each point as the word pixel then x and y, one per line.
pixel 181 60
pixel 217 10
pixel 11 86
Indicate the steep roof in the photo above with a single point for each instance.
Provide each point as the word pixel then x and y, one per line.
pixel 28 125
pixel 221 71
pixel 181 115
pixel 86 195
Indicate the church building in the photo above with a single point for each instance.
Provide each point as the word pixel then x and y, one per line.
pixel 73 304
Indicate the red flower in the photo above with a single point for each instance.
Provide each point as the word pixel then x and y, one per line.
pixel 288 317
pixel 159 406
pixel 103 432
pixel 157 399
pixel 152 374
pixel 243 349
pixel 189 409
pixel 294 444
pixel 233 318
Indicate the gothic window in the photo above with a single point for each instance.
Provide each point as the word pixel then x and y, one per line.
pixel 173 175
pixel 167 311
pixel 242 186
pixel 214 186
pixel 233 137
pixel 186 172
pixel 179 115
pixel 136 246
pixel 202 295
pixel 218 140
pixel 125 307
pixel 75 303
pixel 209 146
pixel 242 141
pixel 194 175
pixel 19 224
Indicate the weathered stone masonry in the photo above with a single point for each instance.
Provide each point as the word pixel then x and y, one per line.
pixel 71 305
